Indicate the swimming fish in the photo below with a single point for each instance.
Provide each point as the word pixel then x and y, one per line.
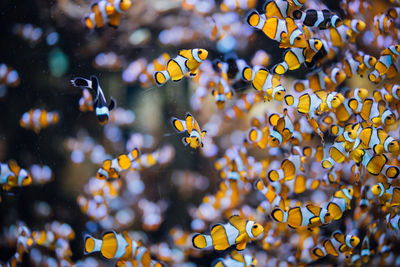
pixel 282 8
pixel 237 231
pixel 284 31
pixel 8 76
pixel 120 247
pixel 12 175
pixel 265 81
pixel 294 57
pixel 322 19
pixel 235 259
pixel 387 194
pixel 112 168
pixel 338 243
pixel 309 216
pixel 187 61
pixel 195 138
pixel 385 65
pixel 38 119
pixel 106 12
pixel 100 103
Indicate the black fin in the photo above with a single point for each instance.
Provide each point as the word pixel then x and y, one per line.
pixel 79 82
pixel 112 105
pixel 95 86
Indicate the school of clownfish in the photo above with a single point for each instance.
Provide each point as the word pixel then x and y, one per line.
pixel 324 158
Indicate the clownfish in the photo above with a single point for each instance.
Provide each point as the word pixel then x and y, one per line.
pixel 339 203
pixel 100 103
pixel 294 57
pixel 322 19
pixel 233 5
pixel 187 61
pixel 319 101
pixel 195 138
pixel 86 101
pixel 369 110
pixel 12 175
pixel 387 194
pixel 223 92
pixel 321 80
pixel 237 231
pixel 106 12
pixel 284 31
pixel 385 64
pixel 111 168
pixel 272 195
pixel 390 93
pixel 338 243
pixel 357 64
pixel 38 119
pixel 379 140
pixel 259 136
pixel 282 8
pixel 309 216
pixel 265 81
pixel 377 163
pixel 120 247
pixel 8 76
pixel 384 24
pixel 235 259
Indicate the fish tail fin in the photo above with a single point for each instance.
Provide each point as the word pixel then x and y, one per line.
pixel 81 82
pixel 92 244
pixel 202 241
pixel 279 215
pixel 247 74
pixel 218 263
pixel 161 77
pixel 280 68
pixel 253 18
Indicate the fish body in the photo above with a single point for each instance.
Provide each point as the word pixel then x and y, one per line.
pixel 309 216
pixel 337 244
pixel 12 175
pixel 100 104
pixel 187 61
pixel 191 126
pixel 322 19
pixel 112 168
pixel 235 259
pixel 284 31
pixel 120 247
pixel 106 12
pixel 294 57
pixel 237 231
pixel 38 119
pixel 8 76
pixel 265 81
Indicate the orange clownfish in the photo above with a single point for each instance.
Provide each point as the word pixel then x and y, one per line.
pixel 237 231
pixel 195 138
pixel 120 247
pixel 106 12
pixel 111 168
pixel 38 119
pixel 284 31
pixel 187 61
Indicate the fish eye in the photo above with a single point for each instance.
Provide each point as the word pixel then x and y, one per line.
pixel 255 226
pixel 200 51
pixel 298 38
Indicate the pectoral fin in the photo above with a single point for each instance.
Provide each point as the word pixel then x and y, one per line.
pixel 241 246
